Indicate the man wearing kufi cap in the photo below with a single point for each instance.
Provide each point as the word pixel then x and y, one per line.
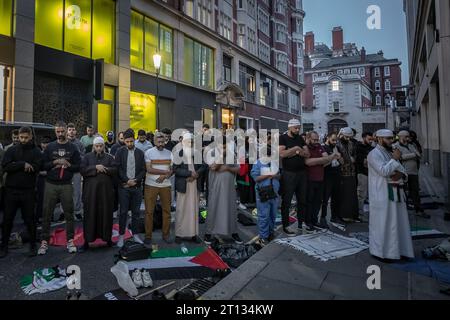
pixel 389 229
pixel 98 171
pixel 410 160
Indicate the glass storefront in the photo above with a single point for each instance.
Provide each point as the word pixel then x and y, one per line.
pixel 105 115
pixel 142 112
pixel 227 118
pixel 6 7
pixel 81 27
pixel 147 38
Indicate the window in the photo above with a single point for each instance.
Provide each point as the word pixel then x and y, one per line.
pixel 377 72
pixel 294 101
pixel 340 72
pixel 346 71
pixel 387 71
pixel 142 111
pixel 387 100
pixel 227 69
pixel 377 85
pixel 198 64
pixel 105 112
pixel 282 63
pixel 281 33
pixel 387 85
pixel 335 85
pixel 82 27
pixel 251 8
pixel 301 75
pixel 252 48
pixel 264 52
pixel 362 72
pixel 6 11
pixel 336 106
pixel 204 12
pixel 263 22
pixel 147 38
pixel 282 92
pixel 225 26
pixel 354 71
pixel 247 81
pixel 308 127
pixel 208 117
pixel 378 100
pixel 280 7
pixel 241 36
pixel 189 8
pixel 265 91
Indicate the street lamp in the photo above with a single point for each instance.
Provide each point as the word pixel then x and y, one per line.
pixel 157 64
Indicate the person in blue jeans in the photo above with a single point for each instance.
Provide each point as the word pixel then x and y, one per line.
pixel 265 173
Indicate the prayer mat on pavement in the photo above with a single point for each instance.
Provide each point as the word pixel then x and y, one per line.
pixel 325 246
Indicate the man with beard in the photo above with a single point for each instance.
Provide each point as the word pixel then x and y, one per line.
pixel 61 160
pixel 318 159
pixel 362 151
pixel 119 144
pixel 109 141
pixel 98 170
pixel 294 179
pixel 389 229
pixel 14 139
pixel 348 202
pixel 76 180
pixel 21 163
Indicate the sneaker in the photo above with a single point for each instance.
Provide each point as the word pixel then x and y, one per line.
pixel 289 233
pixel 137 278
pixel 122 274
pixel 242 207
pixel 310 229
pixel 43 248
pixel 196 239
pixel 262 242
pixel 236 238
pixel 137 239
pixel 208 239
pixel 147 279
pixel 120 242
pixel 71 248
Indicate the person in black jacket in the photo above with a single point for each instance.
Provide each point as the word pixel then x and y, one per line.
pixel 362 151
pixel 130 164
pixel 21 163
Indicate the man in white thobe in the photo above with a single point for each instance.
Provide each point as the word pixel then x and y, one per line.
pixel 389 230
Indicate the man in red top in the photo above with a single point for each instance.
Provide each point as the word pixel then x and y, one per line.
pixel 316 172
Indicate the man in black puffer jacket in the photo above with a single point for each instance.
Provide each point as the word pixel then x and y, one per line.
pixel 21 163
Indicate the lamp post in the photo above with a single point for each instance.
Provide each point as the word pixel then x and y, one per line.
pixel 157 64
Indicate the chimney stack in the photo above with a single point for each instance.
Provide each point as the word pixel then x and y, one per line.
pixel 338 39
pixel 363 54
pixel 309 43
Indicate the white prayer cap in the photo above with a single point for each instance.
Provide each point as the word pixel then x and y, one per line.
pixel 403 133
pixel 348 132
pixel 187 136
pixel 99 140
pixel 294 123
pixel 385 133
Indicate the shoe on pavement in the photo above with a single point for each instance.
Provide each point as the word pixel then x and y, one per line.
pixel 121 272
pixel 43 248
pixel 147 279
pixel 242 207
pixel 262 242
pixel 236 238
pixel 137 278
pixel 310 229
pixel 289 233
pixel 71 248
pixel 208 239
pixel 120 242
pixel 323 224
pixel 137 239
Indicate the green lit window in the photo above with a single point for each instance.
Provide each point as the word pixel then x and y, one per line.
pixel 82 27
pixel 105 113
pixel 6 7
pixel 142 111
pixel 147 38
pixel 198 64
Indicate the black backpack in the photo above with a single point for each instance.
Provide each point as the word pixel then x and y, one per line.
pixel 132 251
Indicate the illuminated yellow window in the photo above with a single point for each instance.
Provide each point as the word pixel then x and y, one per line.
pixel 105 114
pixel 6 17
pixel 137 40
pixel 103 35
pixel 49 23
pixel 142 112
pixel 77 28
pixel 151 43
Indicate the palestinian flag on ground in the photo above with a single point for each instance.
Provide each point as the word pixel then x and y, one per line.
pixel 166 264
pixel 44 280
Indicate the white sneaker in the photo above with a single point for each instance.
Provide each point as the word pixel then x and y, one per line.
pixel 137 239
pixel 122 274
pixel 43 248
pixel 242 207
pixel 137 278
pixel 147 279
pixel 71 248
pixel 120 242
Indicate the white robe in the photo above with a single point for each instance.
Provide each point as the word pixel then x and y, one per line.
pixel 389 229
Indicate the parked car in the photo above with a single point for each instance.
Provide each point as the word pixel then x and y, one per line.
pixel 40 130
